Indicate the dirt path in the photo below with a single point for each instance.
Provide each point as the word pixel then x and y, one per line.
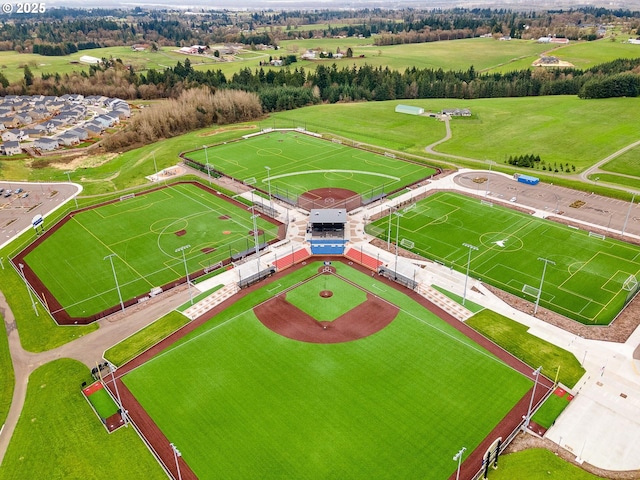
pixel 87 349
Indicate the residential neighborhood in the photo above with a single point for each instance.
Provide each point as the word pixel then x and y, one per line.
pixel 42 123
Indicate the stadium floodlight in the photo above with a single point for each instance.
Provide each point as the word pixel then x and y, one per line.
pixel 155 165
pixel 33 303
pixel 269 186
pixel 2 262
pixel 206 162
pixel 115 277
pixel 398 215
pixel 176 454
pixel 186 270
pixel 466 278
pixel 536 373
pixel 68 174
pixel 491 163
pixel 112 367
pixel 391 207
pixel 544 270
pixel 458 458
pixel 628 213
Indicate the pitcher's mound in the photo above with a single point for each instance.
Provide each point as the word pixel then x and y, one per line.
pixel 326 293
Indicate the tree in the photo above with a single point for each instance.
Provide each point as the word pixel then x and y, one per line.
pixel 349 53
pixel 28 76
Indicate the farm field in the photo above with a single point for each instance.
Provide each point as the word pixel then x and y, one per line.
pixel 298 163
pixel 498 128
pixel 143 234
pixel 586 283
pixel 253 403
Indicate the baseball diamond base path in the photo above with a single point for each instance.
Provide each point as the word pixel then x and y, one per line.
pixel 160 444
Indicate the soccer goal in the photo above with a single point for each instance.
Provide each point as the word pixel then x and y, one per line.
pixel 631 286
pixel 389 155
pixel 484 202
pixel 406 243
pixel 127 196
pixel 597 235
pixel 410 207
pixel 337 140
pixel 250 181
pixel 529 290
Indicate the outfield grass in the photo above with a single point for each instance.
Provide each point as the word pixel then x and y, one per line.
pixel 59 437
pixel 584 283
pixel 274 407
pixel 537 464
pixel 143 339
pixel 298 163
pixel 515 339
pixel 141 232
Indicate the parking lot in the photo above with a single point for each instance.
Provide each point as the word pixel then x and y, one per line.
pixel 17 210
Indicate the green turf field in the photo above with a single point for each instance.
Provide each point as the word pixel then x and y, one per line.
pixel 300 162
pixel 585 284
pixel 142 233
pixel 240 401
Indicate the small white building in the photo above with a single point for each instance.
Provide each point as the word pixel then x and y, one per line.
pixel 89 60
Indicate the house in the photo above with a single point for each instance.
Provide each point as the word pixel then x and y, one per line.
pixel 138 47
pixel 192 50
pixel 634 41
pixel 81 133
pixel 93 128
pixel 457 112
pixel 104 120
pixel 9 121
pixel 12 135
pixel 46 144
pixel 308 55
pixel 68 139
pixel 33 132
pixel 24 118
pixel 11 148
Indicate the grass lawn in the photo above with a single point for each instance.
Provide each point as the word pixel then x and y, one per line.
pixel 514 338
pixel 584 282
pixel 469 305
pixel 563 129
pixel 143 339
pixel 144 233
pixel 298 163
pixel 616 179
pixel 7 378
pixel 59 437
pixel 253 403
pixel 537 464
pixel 627 163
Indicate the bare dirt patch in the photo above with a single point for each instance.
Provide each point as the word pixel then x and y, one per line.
pixel 85 161
pixel 227 129
pixel 330 198
pixel 287 320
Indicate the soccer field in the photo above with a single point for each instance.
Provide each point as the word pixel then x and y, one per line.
pixel 240 401
pixel 299 163
pixel 585 282
pixel 142 234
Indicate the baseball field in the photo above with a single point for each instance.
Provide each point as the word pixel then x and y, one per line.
pixel 242 397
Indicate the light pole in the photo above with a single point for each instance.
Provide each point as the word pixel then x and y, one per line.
pixel 389 232
pixel 2 262
pixel 33 303
pixel 186 270
pixel 490 162
pixel 176 454
pixel 458 458
pixel 628 213
pixel 206 162
pixel 398 215
pixel 269 187
pixel 533 394
pixel 123 413
pixel 68 174
pixel 155 165
pixel 544 269
pixel 115 277
pixel 466 278
pixel 254 217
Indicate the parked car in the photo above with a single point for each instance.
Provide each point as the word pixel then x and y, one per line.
pixel 25 194
pixel 18 190
pixel 7 193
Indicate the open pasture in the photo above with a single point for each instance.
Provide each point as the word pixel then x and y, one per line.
pixel 585 282
pixel 143 234
pixel 241 401
pixel 291 163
